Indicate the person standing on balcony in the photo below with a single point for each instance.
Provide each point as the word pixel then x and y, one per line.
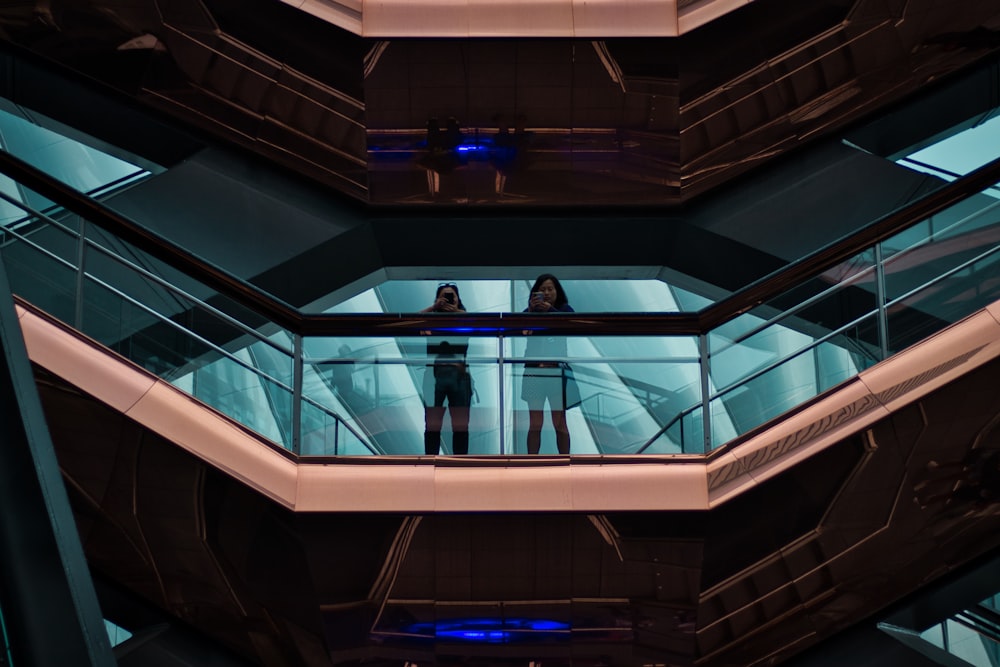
pixel 547 380
pixel 447 379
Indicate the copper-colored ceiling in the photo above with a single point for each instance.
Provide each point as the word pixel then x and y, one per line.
pixel 651 120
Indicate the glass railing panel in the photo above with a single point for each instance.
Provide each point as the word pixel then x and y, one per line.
pixel 944 300
pixel 840 295
pixel 76 164
pixel 189 337
pixel 233 387
pixel 101 243
pixel 618 393
pixel 945 273
pixel 930 248
pixel 41 277
pixel 400 392
pixel 199 350
pixel 396 394
pixel 804 370
pixel 843 321
pixel 685 434
pixel 325 433
pixel 379 387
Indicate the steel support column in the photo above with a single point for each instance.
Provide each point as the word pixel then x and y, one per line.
pixel 49 605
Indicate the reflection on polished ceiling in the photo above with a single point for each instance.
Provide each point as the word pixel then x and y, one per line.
pixel 589 118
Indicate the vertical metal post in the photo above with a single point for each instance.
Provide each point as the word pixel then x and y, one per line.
pixel 81 268
pixel 336 435
pixel 297 393
pixel 501 403
pixel 880 296
pixel 706 415
pixel 50 606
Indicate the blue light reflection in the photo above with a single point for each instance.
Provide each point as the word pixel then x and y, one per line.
pixel 491 630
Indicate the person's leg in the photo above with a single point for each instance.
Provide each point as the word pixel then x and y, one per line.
pixel 459 428
pixel 535 418
pixel 562 430
pixel 459 401
pixel 532 393
pixel 433 418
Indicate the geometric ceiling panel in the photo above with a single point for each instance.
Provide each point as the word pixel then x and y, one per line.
pixel 597 117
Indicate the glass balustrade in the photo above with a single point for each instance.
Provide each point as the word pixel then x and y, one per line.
pixel 618 391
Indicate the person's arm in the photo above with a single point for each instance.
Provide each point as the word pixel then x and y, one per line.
pixel 442 306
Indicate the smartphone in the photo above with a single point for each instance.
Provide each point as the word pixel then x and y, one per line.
pixel 449 297
pixel 537 296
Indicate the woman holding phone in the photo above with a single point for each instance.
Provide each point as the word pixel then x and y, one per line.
pixel 451 380
pixel 546 380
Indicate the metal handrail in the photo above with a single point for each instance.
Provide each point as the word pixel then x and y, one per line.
pixel 402 324
pixel 498 324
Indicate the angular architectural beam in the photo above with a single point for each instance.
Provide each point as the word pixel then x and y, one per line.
pixel 50 607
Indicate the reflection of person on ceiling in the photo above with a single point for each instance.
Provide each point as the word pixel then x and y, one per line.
pixel 442 156
pixel 507 155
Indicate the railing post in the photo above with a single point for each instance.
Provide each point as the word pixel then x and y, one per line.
pixel 880 296
pixel 501 403
pixel 81 255
pixel 706 416
pixel 296 394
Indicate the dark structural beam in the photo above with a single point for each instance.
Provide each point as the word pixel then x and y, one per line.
pixel 49 605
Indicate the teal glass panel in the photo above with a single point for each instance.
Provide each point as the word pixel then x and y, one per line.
pixel 944 301
pixel 967 148
pixel 815 308
pixel 618 393
pixel 682 435
pixel 164 343
pixel 763 397
pixel 325 433
pixel 236 383
pixel 232 386
pixel 391 410
pixel 944 274
pixel 797 345
pixel 57 233
pixel 968 644
pixel 40 276
pixel 11 214
pixel 373 385
pixel 799 374
pixel 116 634
pixel 80 166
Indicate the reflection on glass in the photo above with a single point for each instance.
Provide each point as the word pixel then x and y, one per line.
pixel 958 153
pixel 78 165
pixel 946 271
